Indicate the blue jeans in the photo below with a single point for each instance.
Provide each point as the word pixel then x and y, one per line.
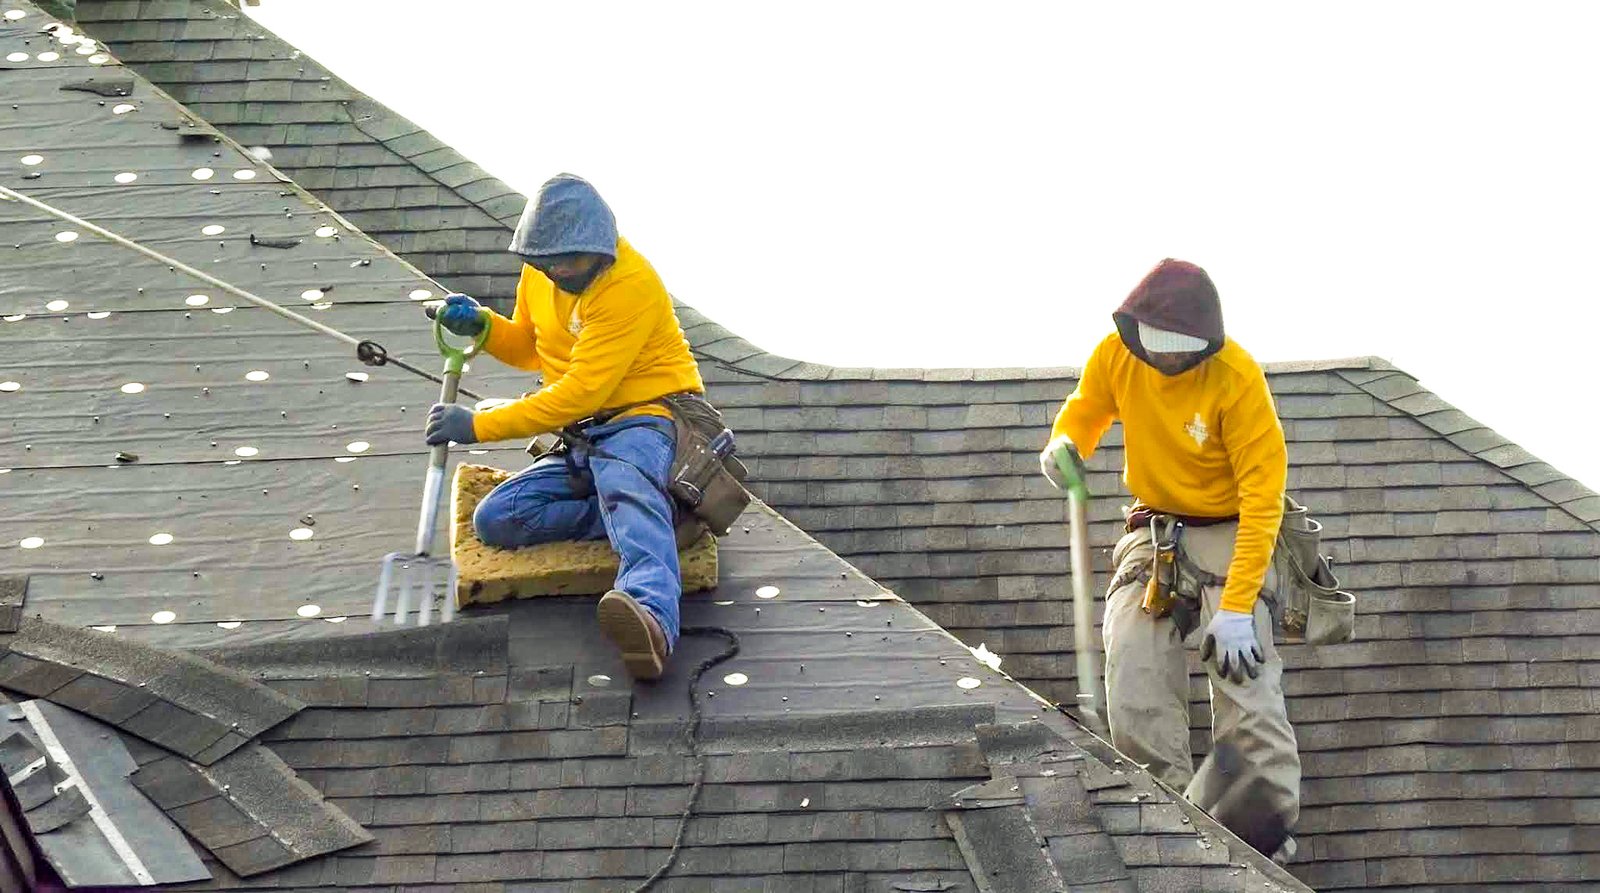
pixel 628 505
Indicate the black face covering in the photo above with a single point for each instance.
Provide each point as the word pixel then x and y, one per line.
pixel 572 285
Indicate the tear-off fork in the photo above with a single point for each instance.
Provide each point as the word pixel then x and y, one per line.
pixel 421 570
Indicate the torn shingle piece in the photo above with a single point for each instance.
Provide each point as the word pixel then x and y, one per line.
pixel 258 816
pixel 182 702
pixel 87 819
pixel 18 755
pixel 1060 805
pixel 33 677
pixel 1003 852
pixel 988 795
pixel 1088 858
pixel 65 806
pixel 108 87
pixel 468 646
pixel 171 784
pixel 103 698
pixel 35 789
pixel 13 595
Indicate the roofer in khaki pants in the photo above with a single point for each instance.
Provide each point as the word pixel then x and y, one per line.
pixel 596 321
pixel 1206 463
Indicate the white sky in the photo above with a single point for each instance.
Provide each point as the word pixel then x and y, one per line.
pixel 980 184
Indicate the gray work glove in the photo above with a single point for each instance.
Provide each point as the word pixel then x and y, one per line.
pixel 462 315
pixel 450 421
pixel 1061 463
pixel 1231 636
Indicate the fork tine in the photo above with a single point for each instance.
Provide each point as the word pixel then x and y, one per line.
pixel 425 605
pixel 449 608
pixel 384 578
pixel 403 604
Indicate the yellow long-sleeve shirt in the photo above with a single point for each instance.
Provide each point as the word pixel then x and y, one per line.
pixel 1206 443
pixel 617 344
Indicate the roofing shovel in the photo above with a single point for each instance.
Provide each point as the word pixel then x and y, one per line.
pixel 1089 707
pixel 420 572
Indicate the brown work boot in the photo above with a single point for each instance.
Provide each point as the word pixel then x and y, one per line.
pixel 635 632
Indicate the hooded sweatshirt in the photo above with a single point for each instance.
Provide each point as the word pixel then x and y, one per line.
pixel 616 344
pixel 1205 442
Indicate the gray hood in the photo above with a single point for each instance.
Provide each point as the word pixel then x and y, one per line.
pixel 567 217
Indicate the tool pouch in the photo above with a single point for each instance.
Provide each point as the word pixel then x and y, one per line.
pixel 705 478
pixel 1313 608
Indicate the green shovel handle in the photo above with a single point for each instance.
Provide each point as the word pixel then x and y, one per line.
pixel 1075 474
pixel 455 358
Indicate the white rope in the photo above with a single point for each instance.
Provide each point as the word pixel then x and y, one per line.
pixel 151 253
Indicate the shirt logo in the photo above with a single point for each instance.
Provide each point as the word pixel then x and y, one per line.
pixel 1198 430
pixel 575 322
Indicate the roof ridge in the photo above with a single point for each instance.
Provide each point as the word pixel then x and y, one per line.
pixel 1405 394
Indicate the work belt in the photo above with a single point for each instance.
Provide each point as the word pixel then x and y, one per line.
pixel 705 479
pixel 1173 582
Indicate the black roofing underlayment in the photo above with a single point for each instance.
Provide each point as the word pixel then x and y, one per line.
pixel 1453 745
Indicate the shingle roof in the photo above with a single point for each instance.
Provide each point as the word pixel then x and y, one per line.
pixel 498 751
pixel 1444 747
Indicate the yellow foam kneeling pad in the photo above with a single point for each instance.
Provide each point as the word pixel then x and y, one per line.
pixel 581 567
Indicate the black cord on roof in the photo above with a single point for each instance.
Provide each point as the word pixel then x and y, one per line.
pixel 692 737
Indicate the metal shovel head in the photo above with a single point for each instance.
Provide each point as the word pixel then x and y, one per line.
pixel 418 580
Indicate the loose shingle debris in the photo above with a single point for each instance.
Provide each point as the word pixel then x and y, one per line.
pixel 184 703
pixel 70 775
pixel 1036 794
pixel 272 242
pixel 109 87
pixel 249 809
pixel 13 595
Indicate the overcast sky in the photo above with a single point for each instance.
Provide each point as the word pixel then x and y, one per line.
pixel 980 184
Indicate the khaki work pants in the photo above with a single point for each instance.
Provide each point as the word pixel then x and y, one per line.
pixel 1250 781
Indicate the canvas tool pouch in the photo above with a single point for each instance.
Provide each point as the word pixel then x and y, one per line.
pixel 706 481
pixel 1313 608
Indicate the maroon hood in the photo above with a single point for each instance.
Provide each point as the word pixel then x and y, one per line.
pixel 1179 297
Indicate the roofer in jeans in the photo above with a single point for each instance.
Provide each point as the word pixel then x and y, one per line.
pixel 1206 464
pixel 596 321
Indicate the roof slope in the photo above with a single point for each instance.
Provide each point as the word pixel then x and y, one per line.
pixel 256 486
pixel 1463 715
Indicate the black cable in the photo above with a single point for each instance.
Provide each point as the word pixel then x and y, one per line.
pixel 391 361
pixel 692 736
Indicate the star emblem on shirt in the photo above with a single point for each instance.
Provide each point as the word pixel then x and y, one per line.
pixel 1198 430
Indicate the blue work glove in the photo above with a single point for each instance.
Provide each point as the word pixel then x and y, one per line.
pixel 1074 477
pixel 450 421
pixel 1231 636
pixel 462 315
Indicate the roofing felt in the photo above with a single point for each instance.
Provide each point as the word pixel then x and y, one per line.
pixel 502 749
pixel 1453 744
